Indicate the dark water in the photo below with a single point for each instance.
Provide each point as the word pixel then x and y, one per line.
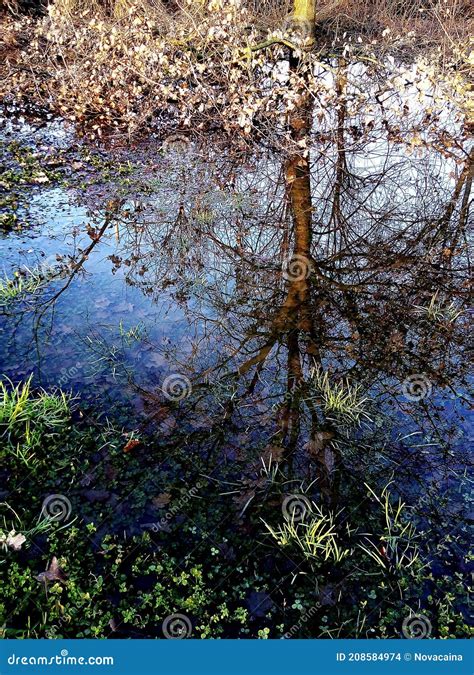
pixel 237 274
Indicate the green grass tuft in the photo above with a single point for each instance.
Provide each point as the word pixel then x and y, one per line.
pixel 315 535
pixel 341 401
pixel 25 416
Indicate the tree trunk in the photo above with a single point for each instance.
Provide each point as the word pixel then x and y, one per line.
pixel 304 18
pixel 304 10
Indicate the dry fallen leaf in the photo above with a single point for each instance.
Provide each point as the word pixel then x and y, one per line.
pixel 162 500
pixel 53 573
pixel 273 452
pixel 317 444
pixel 132 443
pixel 15 541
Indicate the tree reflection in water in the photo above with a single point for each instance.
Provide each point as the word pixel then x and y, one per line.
pixel 322 338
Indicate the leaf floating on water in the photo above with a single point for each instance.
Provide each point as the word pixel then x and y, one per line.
pixel 53 573
pixel 317 444
pixel 131 444
pixel 275 453
pixel 161 500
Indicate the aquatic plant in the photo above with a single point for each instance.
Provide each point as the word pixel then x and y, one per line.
pixel 12 288
pixel 315 535
pixel 438 312
pixel 23 283
pixel 15 533
pixel 25 415
pixel 340 400
pixel 133 334
pixel 396 546
pixel 186 581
